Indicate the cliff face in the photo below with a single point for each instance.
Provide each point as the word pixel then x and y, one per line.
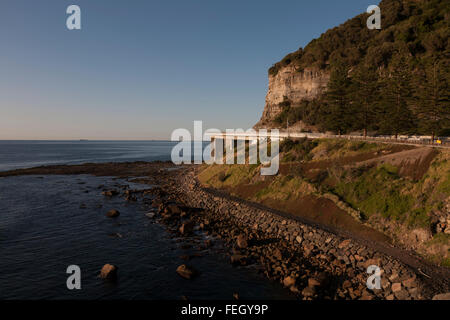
pixel 293 85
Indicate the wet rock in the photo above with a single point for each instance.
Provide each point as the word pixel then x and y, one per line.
pixel 110 193
pixel 289 281
pixel 150 215
pixel 309 292
pixel 241 241
pixel 186 227
pixel 442 296
pixel 238 259
pixel 312 282
pixel 186 272
pixel 113 213
pixel 294 289
pixel 109 272
pixel 173 209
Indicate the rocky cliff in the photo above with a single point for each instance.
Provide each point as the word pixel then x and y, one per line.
pixel 293 85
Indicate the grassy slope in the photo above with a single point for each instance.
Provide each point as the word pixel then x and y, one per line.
pixel 386 200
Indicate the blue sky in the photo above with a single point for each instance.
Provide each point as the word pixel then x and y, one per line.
pixel 140 69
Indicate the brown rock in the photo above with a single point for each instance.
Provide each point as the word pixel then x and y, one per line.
pixel 344 244
pixel 309 292
pixel 277 254
pixel 108 271
pixel 110 193
pixel 294 289
pixel 396 287
pixel 186 272
pixel 173 209
pixel 238 259
pixel 113 213
pixel 289 281
pixel 442 296
pixel 241 241
pixel 409 283
pixel 186 227
pixel 313 282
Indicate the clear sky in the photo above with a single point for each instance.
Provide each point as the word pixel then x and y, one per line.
pixel 140 69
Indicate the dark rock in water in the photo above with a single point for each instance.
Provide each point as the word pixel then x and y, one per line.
pixel 309 292
pixel 150 215
pixel 186 227
pixel 241 241
pixel 83 206
pixel 113 213
pixel 173 209
pixel 238 259
pixel 289 281
pixel 110 193
pixel 109 272
pixel 156 203
pixel 186 272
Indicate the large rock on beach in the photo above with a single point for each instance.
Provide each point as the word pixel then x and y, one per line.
pixel 242 241
pixel 113 213
pixel 186 227
pixel 109 272
pixel 186 272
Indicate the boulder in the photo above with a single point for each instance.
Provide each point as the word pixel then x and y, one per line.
pixel 173 209
pixel 312 282
pixel 186 272
pixel 442 296
pixel 113 213
pixel 238 259
pixel 109 272
pixel 186 227
pixel 289 281
pixel 241 241
pixel 396 287
pixel 309 292
pixel 277 254
pixel 110 193
pixel 150 215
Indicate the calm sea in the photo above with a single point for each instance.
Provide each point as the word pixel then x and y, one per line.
pixel 26 154
pixel 50 222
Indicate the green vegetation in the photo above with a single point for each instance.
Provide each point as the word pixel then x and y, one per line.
pixel 377 191
pixel 391 81
pixel 297 150
pixel 381 194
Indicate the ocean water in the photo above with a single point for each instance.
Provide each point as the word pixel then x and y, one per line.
pixel 44 228
pixel 27 154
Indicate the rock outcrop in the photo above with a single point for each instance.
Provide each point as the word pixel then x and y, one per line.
pixel 293 85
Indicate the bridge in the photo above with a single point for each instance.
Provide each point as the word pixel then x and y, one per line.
pixel 253 136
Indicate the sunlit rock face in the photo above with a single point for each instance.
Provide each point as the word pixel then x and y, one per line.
pixel 293 85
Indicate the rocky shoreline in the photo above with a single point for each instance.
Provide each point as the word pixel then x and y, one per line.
pixel 310 262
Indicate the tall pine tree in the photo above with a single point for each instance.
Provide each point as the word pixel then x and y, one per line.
pixel 433 96
pixel 365 97
pixel 338 113
pixel 396 96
